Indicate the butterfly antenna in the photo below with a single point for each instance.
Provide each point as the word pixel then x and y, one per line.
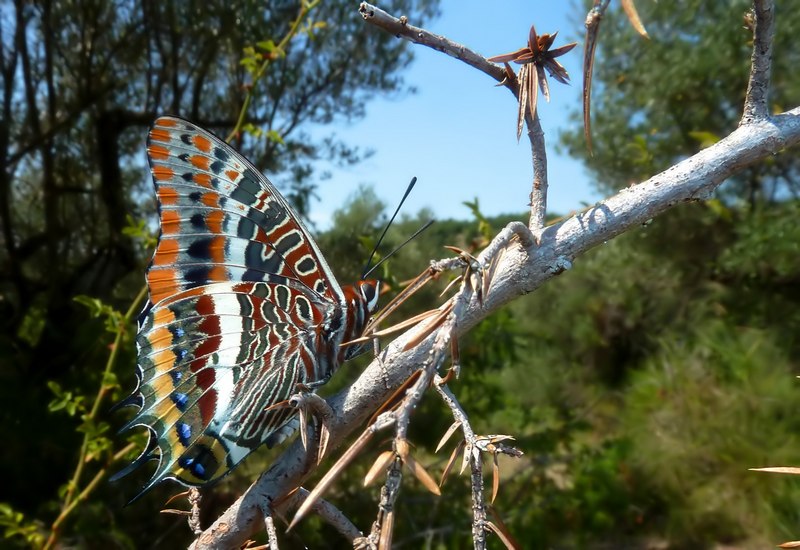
pixel 392 253
pixel 367 269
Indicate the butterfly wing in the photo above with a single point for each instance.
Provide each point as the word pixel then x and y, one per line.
pixel 241 307
pixel 213 360
pixel 221 220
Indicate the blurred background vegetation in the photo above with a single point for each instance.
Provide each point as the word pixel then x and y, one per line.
pixel 641 384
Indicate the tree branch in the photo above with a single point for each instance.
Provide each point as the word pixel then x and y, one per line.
pixel 520 269
pixel 401 28
pixel 538 198
pixel 755 104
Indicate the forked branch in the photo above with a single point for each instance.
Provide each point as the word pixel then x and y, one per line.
pixel 517 267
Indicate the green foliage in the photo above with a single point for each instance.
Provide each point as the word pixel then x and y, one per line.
pixel 702 410
pixel 15 527
pixel 65 400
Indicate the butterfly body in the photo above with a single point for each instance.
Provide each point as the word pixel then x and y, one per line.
pixel 243 308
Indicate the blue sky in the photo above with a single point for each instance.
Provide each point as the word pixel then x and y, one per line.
pixel 457 134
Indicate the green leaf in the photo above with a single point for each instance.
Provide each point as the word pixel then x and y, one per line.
pixel 706 139
pixel 267 45
pixel 274 135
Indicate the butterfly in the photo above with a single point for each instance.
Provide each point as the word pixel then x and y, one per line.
pixel 242 309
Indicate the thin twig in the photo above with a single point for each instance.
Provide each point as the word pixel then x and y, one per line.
pixel 382 526
pixel 401 28
pixel 538 198
pixel 70 500
pixel 476 467
pixel 592 24
pixel 272 533
pixel 756 105
pixel 305 8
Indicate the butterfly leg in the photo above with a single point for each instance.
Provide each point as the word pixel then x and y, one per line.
pixel 307 402
pixel 376 349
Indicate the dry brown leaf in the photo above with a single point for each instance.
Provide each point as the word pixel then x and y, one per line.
pixel 401 446
pixel 790 544
pixel 179 495
pixel 449 286
pixel 324 438
pixel 501 530
pixel 387 529
pixel 395 398
pixel 633 17
pixel 455 357
pixel 175 512
pixel 422 475
pixel 778 470
pixel 303 428
pixel 495 477
pixel 589 47
pixel 421 280
pixel 450 431
pixel 379 466
pixel 330 476
pixel 452 461
pixel 435 323
pixel 465 460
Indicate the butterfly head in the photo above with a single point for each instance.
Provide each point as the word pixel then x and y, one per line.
pixel 370 291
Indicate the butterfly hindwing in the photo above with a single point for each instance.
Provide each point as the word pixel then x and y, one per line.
pixel 213 359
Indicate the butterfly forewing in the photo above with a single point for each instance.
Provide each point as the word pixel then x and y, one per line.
pixel 243 308
pixel 221 220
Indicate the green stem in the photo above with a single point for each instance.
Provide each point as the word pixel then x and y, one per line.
pixel 84 495
pixel 305 8
pixel 69 504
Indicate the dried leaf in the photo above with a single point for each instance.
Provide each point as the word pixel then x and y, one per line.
pixel 395 398
pixel 590 45
pixel 331 475
pixel 501 530
pixel 506 57
pixel 379 466
pixel 179 495
pixel 542 78
pixel 421 280
pixel 790 544
pixel 401 446
pixel 533 89
pixel 175 512
pixel 455 355
pixel 465 460
pixel 495 477
pixel 435 323
pixel 452 461
pixel 422 475
pixel 324 438
pixel 303 428
pixel 450 431
pixel 633 17
pixel 778 470
pixel 522 80
pixel 387 529
pixel 449 286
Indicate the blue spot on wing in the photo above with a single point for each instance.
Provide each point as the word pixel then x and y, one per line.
pixel 180 400
pixel 184 433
